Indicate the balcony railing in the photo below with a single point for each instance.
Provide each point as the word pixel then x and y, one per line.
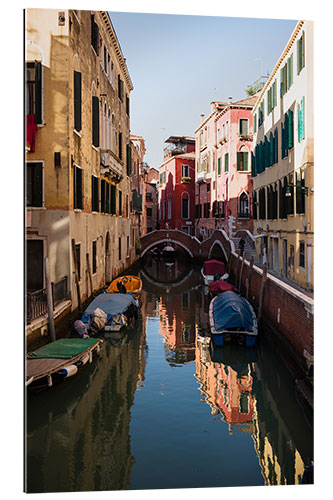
pixel 185 179
pixel 37 301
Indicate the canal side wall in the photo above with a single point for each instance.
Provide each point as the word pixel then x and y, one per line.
pixel 289 311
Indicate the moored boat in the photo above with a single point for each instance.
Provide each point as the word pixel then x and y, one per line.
pixel 213 270
pixel 220 286
pixel 119 309
pixel 58 361
pixel 132 284
pixel 232 319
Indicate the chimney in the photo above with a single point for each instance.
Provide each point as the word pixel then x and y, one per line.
pixel 202 116
pixel 212 106
pixel 229 100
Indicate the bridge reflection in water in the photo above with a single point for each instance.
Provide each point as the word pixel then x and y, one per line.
pixel 160 409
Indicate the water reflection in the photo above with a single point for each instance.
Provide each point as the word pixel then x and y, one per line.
pixel 135 409
pixel 77 436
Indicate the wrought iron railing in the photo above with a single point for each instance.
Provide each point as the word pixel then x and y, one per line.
pixel 37 301
pixel 244 215
pixel 36 304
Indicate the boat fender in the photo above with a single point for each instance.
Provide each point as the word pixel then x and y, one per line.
pixel 69 371
pixel 49 381
pixel 83 361
pixel 90 357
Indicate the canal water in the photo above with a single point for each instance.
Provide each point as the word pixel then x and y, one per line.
pixel 161 409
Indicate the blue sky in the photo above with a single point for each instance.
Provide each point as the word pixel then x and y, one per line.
pixel 180 63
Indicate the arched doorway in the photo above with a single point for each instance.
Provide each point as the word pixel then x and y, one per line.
pixel 107 258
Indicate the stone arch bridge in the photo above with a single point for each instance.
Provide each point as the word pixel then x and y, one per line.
pixel 218 245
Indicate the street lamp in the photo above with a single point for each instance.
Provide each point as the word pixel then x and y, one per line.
pixel 304 189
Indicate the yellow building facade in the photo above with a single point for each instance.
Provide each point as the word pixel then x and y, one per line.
pixel 78 152
pixel 283 163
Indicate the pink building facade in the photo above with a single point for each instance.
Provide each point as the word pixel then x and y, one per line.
pixel 232 207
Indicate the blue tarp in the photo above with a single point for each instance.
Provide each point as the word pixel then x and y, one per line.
pixel 230 310
pixel 111 303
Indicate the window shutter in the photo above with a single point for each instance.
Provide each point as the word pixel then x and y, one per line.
pixel 79 188
pixel 290 129
pixel 219 166
pixel 38 92
pixel 95 121
pixel 77 101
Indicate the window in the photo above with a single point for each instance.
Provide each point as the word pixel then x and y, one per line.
pixel 120 201
pixel 95 121
pixel 254 205
pixel 185 207
pixel 94 257
pixel 34 185
pixel 271 98
pixel 261 113
pixel 244 205
pixel 300 194
pixel 113 199
pixel 169 208
pixel 127 206
pixel 103 196
pixel 300 120
pixel 94 194
pixel 107 198
pixel 262 203
pixel 300 54
pixel 77 188
pixel 242 161
pixel 94 35
pixel 77 101
pixel 226 162
pixel 149 212
pixel 127 105
pixel 120 89
pixel 208 187
pixel 33 90
pixel 78 260
pixel 120 146
pixel 119 248
pixel 290 71
pixel 185 172
pixel 255 123
pixel 243 126
pixel 302 254
pixel 219 166
pixel 128 159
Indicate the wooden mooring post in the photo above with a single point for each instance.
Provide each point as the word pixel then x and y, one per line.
pixel 249 277
pixel 237 267
pixel 241 271
pixel 76 274
pixel 89 274
pixel 262 290
pixel 49 300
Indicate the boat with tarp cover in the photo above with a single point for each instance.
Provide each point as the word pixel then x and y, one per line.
pixel 213 268
pixel 232 319
pixel 58 361
pixel 220 286
pixel 117 308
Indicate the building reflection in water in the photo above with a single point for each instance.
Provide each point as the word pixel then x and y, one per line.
pixel 84 423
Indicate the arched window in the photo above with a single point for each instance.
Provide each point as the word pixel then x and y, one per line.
pixel 185 207
pixel 243 205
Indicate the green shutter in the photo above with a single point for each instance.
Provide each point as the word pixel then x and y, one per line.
pixel 226 161
pixel 246 162
pixel 290 129
pixel 219 166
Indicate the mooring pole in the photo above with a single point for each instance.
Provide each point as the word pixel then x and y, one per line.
pixel 249 277
pixel 76 274
pixel 262 291
pixel 49 300
pixel 89 273
pixel 241 271
pixel 238 257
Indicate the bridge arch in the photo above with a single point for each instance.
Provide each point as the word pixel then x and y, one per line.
pixel 217 248
pixel 166 240
pixel 189 243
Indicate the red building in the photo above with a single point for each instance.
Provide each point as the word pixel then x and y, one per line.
pixel 176 185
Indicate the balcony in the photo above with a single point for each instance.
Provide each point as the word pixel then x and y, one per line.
pixel 185 180
pixel 111 166
pixel 175 149
pixel 245 137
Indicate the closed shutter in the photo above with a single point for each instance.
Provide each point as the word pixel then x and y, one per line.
pixel 77 101
pixel 95 121
pixel 103 196
pixel 226 162
pixel 38 92
pixel 79 197
pixel 219 166
pixel 120 202
pixel 113 199
pixel 290 129
pixel 246 162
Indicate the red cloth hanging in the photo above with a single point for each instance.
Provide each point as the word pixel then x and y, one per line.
pixel 30 131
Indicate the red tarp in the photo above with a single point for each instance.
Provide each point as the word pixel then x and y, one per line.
pixel 210 267
pixel 221 286
pixel 30 130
